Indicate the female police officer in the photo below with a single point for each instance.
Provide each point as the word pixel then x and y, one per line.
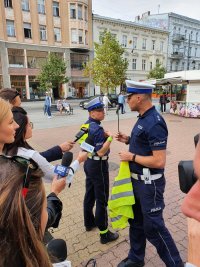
pixel 97 175
pixel 147 156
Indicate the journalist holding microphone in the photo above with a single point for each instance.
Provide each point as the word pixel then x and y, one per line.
pixel 147 157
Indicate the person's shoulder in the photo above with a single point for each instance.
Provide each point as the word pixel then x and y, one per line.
pixel 25 152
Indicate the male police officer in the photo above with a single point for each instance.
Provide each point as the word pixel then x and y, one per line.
pixel 97 175
pixel 147 156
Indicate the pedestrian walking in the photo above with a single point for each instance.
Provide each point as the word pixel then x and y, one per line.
pixel 163 102
pixel 47 105
pixel 147 157
pixel 121 101
pixel 97 174
pixel 106 101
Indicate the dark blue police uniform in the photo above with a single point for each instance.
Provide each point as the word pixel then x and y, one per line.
pixel 97 180
pixel 150 134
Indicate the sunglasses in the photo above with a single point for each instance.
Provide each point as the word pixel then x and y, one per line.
pixel 27 163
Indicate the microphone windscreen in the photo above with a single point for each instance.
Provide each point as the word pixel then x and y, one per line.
pixel 58 249
pixel 67 159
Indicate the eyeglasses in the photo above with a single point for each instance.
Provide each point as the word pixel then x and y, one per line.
pixel 29 164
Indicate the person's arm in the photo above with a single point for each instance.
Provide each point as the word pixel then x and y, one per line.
pixel 197 161
pixel 106 145
pixel 123 138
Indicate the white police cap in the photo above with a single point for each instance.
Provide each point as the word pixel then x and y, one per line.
pixel 95 103
pixel 139 87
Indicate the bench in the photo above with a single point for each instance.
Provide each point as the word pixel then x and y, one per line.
pixel 54 109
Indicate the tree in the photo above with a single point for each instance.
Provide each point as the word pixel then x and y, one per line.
pixel 158 72
pixel 53 72
pixel 108 69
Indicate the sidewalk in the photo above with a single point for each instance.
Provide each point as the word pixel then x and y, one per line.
pixel 84 245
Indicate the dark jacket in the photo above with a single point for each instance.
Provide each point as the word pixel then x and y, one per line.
pixel 163 99
pixel 54 209
pixel 54 153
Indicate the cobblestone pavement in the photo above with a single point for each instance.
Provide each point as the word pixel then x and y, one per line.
pixel 84 245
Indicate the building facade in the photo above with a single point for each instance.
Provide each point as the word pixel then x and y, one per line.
pixel 184 39
pixel 144 46
pixel 31 29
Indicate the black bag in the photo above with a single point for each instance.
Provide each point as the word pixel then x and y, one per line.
pixel 186 175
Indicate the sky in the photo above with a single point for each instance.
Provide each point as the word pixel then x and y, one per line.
pixel 129 9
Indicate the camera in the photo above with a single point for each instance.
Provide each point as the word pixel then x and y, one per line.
pixel 186 172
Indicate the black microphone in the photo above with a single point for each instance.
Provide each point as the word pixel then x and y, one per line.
pixel 58 249
pixel 81 133
pixel 62 170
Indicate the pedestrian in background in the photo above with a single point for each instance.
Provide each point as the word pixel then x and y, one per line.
pixel 147 158
pixel 106 101
pixel 163 102
pixel 47 105
pixel 60 106
pixel 121 101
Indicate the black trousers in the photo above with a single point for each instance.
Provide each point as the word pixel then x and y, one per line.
pixel 121 106
pixel 163 107
pixel 97 191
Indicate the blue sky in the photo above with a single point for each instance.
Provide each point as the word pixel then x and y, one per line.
pixel 129 9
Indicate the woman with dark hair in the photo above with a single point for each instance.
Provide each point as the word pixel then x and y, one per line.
pixel 23 214
pixel 12 95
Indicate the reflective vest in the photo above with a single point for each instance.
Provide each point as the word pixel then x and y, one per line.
pixel 84 137
pixel 122 198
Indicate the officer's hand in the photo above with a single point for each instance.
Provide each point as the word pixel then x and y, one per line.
pixel 82 156
pixel 66 146
pixel 58 185
pixel 121 137
pixel 125 156
pixel 108 133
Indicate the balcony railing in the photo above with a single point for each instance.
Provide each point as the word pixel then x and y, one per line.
pixel 178 38
pixel 177 55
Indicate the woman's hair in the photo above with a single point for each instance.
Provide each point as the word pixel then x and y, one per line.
pixel 9 94
pixel 20 117
pixel 20 218
pixel 4 109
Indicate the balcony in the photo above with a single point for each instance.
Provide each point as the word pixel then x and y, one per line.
pixel 177 55
pixel 177 38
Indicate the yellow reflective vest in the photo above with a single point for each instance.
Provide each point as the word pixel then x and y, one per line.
pixel 122 198
pixel 84 137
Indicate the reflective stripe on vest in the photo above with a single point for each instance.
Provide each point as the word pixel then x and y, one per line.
pixel 122 198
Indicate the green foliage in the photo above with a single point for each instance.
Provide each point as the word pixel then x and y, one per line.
pixel 108 69
pixel 157 73
pixel 53 72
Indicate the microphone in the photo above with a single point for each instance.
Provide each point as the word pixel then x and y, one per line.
pixel 62 170
pixel 58 249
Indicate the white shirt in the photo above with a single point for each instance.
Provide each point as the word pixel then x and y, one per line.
pixel 45 166
pixel 105 100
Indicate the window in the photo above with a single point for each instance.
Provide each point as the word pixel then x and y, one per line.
pixel 185 50
pixel 25 5
pixel 153 44
pixel 43 33
pixel 151 65
pixel 161 46
pixel 176 66
pixel 124 40
pixel 199 66
pixel 57 34
pixel 143 64
pixel 157 61
pixel 10 27
pixel 134 64
pixel 174 31
pixel 197 36
pixel 191 35
pixel 74 36
pixel 80 14
pixel 41 6
pixel 27 30
pixel 72 11
pixel 8 3
pixel 144 43
pixel 80 36
pixel 86 13
pixel 55 9
pixel 195 53
pixel 185 33
pixel 183 65
pixel 134 42
pixel 190 51
pixel 86 37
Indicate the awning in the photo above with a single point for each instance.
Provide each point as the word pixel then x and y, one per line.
pixel 171 81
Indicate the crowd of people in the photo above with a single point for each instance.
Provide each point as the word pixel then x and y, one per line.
pixel 26 212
